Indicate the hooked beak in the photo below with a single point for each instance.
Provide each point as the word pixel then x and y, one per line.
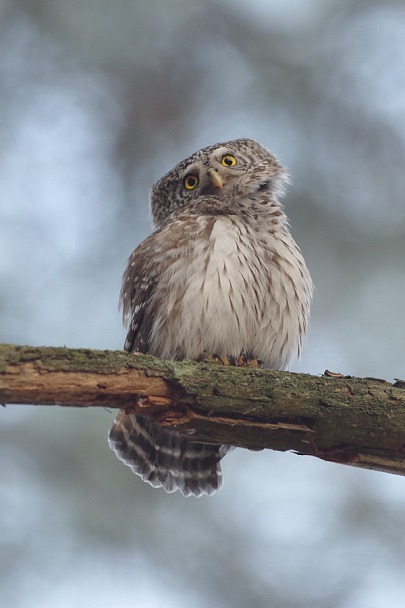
pixel 215 179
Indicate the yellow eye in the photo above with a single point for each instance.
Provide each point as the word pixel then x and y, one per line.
pixel 190 182
pixel 228 160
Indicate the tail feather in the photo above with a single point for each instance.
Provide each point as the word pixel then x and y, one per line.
pixel 164 458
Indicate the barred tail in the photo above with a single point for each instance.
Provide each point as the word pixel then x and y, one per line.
pixel 164 458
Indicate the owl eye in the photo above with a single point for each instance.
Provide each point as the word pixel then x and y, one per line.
pixel 190 182
pixel 228 160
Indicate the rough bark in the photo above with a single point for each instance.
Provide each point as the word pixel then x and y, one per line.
pixel 357 421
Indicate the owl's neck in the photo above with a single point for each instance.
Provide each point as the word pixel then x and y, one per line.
pixel 255 209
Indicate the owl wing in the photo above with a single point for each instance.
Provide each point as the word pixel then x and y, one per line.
pixel 138 286
pixel 162 457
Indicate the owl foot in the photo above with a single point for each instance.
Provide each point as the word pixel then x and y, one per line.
pixel 208 358
pixel 232 361
pixel 245 361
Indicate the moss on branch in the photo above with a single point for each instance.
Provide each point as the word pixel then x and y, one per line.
pixel 358 421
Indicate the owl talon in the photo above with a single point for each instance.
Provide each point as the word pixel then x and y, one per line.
pixel 244 361
pixel 232 361
pixel 208 358
pixel 218 359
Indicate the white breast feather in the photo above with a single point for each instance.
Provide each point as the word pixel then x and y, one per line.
pixel 224 296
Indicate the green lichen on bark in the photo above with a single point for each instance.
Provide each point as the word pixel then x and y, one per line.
pixel 355 420
pixel 75 359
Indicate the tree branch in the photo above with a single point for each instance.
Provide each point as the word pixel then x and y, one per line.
pixel 357 421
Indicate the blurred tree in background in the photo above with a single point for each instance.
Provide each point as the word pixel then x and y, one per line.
pixel 98 100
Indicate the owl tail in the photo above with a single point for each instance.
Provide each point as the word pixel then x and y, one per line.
pixel 164 458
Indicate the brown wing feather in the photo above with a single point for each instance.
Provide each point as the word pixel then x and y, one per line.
pixel 138 286
pixel 162 457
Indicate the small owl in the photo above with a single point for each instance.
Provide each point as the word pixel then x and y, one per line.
pixel 220 274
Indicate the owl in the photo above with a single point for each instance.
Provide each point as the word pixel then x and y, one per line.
pixel 220 274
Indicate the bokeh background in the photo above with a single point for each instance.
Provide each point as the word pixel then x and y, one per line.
pixel 99 99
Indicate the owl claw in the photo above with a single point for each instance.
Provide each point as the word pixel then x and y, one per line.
pixel 232 361
pixel 244 361
pixel 207 357
pixel 218 359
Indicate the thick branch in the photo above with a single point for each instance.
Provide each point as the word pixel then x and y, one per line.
pixel 358 421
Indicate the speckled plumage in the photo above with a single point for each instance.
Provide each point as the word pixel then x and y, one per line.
pixel 220 274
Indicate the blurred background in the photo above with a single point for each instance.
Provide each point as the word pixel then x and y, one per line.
pixel 98 100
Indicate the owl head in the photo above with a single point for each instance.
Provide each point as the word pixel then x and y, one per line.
pixel 220 179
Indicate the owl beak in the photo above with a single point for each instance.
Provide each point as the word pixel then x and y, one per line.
pixel 215 179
